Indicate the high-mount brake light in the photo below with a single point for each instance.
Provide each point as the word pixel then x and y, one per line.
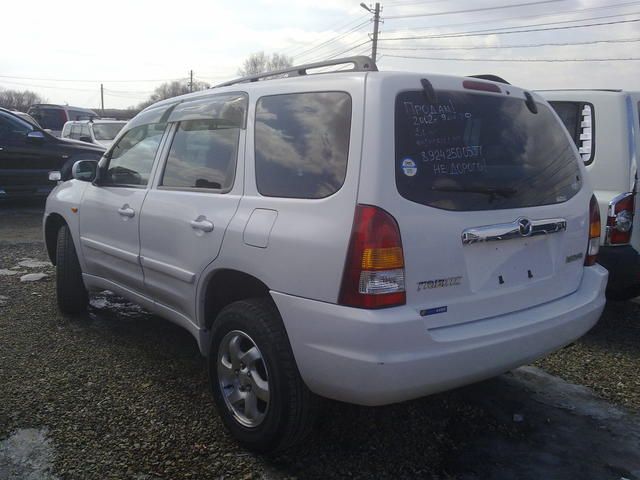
pixel 482 86
pixel 593 246
pixel 620 219
pixel 374 270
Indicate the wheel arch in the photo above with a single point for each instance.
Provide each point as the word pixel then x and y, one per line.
pixel 52 224
pixel 225 286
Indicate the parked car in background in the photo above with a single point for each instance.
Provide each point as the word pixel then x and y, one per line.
pixel 28 154
pixel 370 237
pixel 605 126
pixel 27 117
pixel 98 131
pixel 53 117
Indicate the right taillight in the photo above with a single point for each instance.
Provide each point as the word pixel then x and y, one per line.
pixel 594 232
pixel 620 219
pixel 374 270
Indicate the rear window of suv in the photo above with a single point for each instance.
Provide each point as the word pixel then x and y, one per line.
pixel 474 151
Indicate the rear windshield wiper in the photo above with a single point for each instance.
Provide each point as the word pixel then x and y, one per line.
pixel 493 192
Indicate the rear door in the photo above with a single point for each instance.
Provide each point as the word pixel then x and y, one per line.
pixel 197 192
pixel 487 192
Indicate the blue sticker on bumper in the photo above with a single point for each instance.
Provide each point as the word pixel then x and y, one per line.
pixel 433 311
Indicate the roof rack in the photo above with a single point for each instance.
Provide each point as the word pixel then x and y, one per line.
pixel 360 64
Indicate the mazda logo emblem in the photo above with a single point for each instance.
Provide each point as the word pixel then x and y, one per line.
pixel 525 227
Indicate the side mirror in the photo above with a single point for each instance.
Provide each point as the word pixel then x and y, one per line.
pixel 35 136
pixel 84 170
pixel 85 139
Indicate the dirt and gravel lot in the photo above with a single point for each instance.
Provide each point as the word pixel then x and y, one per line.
pixel 119 393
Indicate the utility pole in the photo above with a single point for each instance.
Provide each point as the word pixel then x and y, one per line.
pixel 191 80
pixel 376 24
pixel 102 98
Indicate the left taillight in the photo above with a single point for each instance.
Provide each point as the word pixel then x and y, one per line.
pixel 620 219
pixel 374 269
pixel 594 232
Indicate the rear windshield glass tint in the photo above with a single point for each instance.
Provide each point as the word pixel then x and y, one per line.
pixel 569 113
pixel 474 151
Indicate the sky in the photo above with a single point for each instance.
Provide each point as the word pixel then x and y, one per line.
pixel 64 50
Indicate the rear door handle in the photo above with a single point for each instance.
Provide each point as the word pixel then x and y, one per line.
pixel 201 223
pixel 126 211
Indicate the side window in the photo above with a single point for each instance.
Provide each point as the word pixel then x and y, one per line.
pixel 11 127
pixel 302 144
pixel 132 157
pixel 66 131
pixel 203 154
pixel 75 131
pixel 84 131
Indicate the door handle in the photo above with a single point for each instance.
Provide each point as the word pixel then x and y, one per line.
pixel 126 211
pixel 201 223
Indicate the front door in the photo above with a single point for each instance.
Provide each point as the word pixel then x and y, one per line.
pixel 110 209
pixel 185 216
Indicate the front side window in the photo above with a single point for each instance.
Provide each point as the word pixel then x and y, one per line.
pixel 131 159
pixel 471 151
pixel 302 144
pixel 202 155
pixel 50 118
pixel 12 127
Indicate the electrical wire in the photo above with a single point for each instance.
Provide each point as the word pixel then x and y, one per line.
pixel 499 32
pixel 473 10
pixel 531 45
pixel 524 60
pixel 521 17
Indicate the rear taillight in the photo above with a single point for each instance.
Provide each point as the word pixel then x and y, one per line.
pixel 374 271
pixel 620 219
pixel 594 232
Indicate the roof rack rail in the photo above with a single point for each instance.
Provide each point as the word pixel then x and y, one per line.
pixel 360 64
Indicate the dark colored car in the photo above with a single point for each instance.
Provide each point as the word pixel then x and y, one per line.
pixel 28 154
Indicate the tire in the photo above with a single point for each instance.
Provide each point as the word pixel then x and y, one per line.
pixel 289 413
pixel 70 290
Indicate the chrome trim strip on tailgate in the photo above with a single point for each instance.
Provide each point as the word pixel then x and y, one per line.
pixel 522 227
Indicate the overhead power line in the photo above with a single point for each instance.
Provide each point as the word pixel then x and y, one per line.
pixel 525 60
pixel 325 36
pixel 498 32
pixel 472 10
pixel 333 40
pixel 86 81
pixel 530 45
pixel 521 17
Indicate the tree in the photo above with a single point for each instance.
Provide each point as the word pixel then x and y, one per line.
pixel 172 89
pixel 259 63
pixel 19 100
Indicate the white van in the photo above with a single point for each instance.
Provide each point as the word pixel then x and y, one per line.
pixel 605 126
pixel 364 236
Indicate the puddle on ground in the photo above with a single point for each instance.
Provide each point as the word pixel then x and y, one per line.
pixel 27 455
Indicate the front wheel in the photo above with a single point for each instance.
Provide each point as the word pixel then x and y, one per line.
pixel 260 395
pixel 70 290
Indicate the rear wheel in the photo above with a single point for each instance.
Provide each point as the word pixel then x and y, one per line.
pixel 260 395
pixel 70 290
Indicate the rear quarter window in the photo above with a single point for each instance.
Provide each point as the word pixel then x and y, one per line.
pixel 302 144
pixel 471 151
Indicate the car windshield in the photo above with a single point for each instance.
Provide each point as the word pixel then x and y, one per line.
pixel 107 131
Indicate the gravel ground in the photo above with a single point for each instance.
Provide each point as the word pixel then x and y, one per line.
pixel 123 394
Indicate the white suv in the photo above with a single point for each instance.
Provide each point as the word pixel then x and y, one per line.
pixel 365 236
pixel 99 131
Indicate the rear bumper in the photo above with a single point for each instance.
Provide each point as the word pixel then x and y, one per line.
pixel 377 357
pixel 623 263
